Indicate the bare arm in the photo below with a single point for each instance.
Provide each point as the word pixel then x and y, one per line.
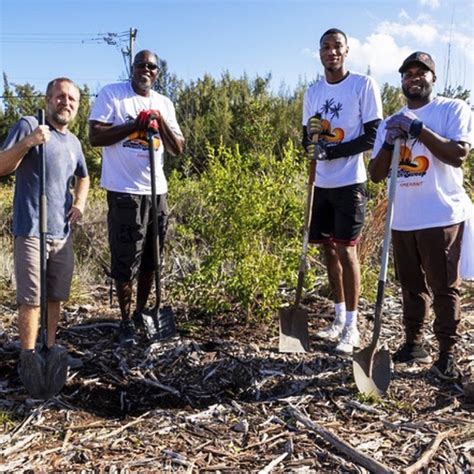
pixel 448 151
pixel 172 142
pixel 106 134
pixel 81 188
pixel 10 159
pixel 380 165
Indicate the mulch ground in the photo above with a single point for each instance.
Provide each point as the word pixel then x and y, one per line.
pixel 220 397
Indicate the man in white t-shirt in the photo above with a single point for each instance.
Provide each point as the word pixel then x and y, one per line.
pixel 341 112
pixel 430 208
pixel 120 118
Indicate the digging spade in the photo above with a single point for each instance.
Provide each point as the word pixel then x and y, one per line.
pixel 44 371
pixel 294 335
pixel 371 366
pixel 159 323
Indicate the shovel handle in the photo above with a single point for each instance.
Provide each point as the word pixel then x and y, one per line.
pixel 307 221
pixel 43 230
pixel 154 208
pixel 386 242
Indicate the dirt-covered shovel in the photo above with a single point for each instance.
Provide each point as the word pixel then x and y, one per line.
pixel 44 371
pixel 371 366
pixel 158 323
pixel 294 335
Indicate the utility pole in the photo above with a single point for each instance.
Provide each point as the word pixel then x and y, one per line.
pixel 132 36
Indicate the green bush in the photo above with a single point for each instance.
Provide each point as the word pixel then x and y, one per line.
pixel 237 234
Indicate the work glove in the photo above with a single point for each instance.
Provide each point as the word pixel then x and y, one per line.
pixel 314 126
pixel 319 151
pixel 406 121
pixel 391 134
pixel 148 120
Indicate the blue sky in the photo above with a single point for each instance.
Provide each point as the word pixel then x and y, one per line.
pixel 42 39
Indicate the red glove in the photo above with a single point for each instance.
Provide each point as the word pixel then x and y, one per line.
pixel 148 120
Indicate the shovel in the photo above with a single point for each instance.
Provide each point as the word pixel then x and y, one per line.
pixel 44 371
pixel 371 367
pixel 294 336
pixel 158 323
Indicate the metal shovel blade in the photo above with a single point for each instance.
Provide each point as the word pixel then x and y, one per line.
pixel 159 324
pixel 294 336
pixel 44 372
pixel 371 369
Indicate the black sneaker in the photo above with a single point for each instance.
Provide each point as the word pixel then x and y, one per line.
pixel 127 334
pixel 445 367
pixel 137 319
pixel 411 353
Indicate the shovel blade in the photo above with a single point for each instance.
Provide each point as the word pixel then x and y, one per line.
pixel 44 372
pixel 159 325
pixel 371 370
pixel 294 336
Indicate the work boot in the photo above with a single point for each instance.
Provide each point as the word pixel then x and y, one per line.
pixel 127 334
pixel 445 367
pixel 350 339
pixel 411 353
pixel 334 330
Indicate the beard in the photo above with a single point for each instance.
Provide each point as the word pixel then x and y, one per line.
pixel 63 118
pixel 423 93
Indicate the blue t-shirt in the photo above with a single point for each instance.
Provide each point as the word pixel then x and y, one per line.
pixel 64 159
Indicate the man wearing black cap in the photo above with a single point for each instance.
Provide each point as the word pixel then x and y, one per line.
pixel 430 209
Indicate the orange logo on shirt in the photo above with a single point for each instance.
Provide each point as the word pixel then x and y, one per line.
pixel 409 166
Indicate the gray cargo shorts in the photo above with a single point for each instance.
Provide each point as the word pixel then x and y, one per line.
pixel 60 266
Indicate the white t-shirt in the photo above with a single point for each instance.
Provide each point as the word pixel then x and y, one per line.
pixel 345 107
pixel 126 165
pixel 430 193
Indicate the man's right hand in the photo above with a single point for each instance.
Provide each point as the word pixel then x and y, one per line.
pixel 148 119
pixel 38 136
pixel 315 126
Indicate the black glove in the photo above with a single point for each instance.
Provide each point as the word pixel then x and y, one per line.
pixel 320 151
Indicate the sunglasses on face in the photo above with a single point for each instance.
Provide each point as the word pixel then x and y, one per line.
pixel 143 65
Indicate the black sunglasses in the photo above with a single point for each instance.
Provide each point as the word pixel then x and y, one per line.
pixel 144 64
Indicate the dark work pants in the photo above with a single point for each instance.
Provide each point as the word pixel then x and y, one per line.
pixel 427 265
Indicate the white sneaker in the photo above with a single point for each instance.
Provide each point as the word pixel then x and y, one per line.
pixel 333 331
pixel 350 339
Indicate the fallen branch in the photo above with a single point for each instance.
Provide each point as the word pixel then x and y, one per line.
pixel 269 467
pixel 428 454
pixel 355 455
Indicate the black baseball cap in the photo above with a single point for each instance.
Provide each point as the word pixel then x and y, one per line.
pixel 418 57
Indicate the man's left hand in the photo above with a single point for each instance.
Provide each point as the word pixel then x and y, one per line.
pixel 406 121
pixel 74 215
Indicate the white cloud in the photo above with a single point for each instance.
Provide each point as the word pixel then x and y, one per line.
pixel 380 52
pixel 433 4
pixel 422 33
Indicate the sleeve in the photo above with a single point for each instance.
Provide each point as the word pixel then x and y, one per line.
pixel 379 139
pixel 20 130
pixel 370 101
pixel 307 112
pixel 459 126
pixel 171 118
pixel 103 109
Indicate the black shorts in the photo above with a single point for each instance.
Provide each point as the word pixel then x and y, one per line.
pixel 338 214
pixel 131 232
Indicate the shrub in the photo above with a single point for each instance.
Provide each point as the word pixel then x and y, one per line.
pixel 237 230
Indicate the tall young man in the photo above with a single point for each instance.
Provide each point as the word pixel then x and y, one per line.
pixel 342 112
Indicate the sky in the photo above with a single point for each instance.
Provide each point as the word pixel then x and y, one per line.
pixel 43 39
